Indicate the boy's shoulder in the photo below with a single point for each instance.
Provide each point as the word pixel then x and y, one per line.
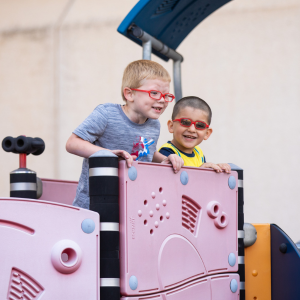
pixel 108 106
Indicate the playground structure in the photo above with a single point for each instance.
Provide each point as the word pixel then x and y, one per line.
pixel 59 257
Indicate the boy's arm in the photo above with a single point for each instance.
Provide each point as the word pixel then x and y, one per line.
pixel 80 147
pixel 174 159
pixel 217 167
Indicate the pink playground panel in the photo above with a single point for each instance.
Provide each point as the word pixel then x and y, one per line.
pixel 45 253
pixel 172 234
pixel 208 288
pixel 175 239
pixel 61 191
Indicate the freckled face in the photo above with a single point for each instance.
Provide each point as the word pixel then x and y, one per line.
pixel 146 106
pixel 186 138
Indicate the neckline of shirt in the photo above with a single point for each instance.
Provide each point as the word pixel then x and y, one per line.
pixel 186 154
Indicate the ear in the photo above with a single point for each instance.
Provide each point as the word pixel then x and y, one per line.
pixel 208 133
pixel 170 126
pixel 128 94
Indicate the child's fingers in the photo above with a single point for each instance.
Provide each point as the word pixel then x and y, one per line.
pixel 217 168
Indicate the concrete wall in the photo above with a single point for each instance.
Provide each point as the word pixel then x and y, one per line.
pixel 59 59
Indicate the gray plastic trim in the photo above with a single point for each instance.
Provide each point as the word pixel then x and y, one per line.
pixel 241 260
pixel 250 235
pixel 240 183
pixel 22 171
pixel 23 186
pixel 241 234
pixel 242 285
pixel 109 281
pixel 109 226
pixel 103 172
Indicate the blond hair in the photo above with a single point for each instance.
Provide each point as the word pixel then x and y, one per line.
pixel 139 70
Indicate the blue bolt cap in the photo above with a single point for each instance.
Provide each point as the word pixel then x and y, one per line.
pixel 233 285
pixel 231 259
pixel 184 177
pixel 133 282
pixel 232 182
pixel 132 173
pixel 88 226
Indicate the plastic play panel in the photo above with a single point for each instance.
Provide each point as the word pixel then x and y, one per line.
pixel 48 251
pixel 175 228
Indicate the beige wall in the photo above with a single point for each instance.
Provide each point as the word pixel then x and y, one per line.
pixel 59 59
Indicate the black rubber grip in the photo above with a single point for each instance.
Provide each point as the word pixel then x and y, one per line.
pixel 241 272
pixel 104 199
pixel 22 177
pixel 104 162
pixel 109 212
pixel 23 194
pixel 110 293
pixel 109 254
pixel 104 185
pixel 109 268
pixel 241 248
pixel 109 240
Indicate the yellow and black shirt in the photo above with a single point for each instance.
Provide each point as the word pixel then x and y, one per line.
pixel 195 159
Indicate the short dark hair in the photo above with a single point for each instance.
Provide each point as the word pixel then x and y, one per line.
pixel 194 102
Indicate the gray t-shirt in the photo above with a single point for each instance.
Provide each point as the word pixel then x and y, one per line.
pixel 108 127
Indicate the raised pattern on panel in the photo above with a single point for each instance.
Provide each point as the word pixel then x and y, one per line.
pixel 190 214
pixel 22 286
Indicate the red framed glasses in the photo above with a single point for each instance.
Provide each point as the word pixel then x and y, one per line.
pixel 158 95
pixel 199 125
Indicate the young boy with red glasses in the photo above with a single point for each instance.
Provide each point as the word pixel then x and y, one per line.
pixel 190 122
pixel 130 131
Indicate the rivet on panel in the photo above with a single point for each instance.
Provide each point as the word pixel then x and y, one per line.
pixel 156 224
pixel 283 248
pixel 254 273
pixel 232 182
pixel 184 177
pixel 151 213
pixel 233 285
pixel 88 226
pixel 132 173
pixel 133 283
pixel 164 202
pixel 231 259
pixel 167 215
pixel 153 195
pixel 139 213
pixel 157 206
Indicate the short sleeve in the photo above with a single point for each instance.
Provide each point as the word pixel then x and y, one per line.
pixel 94 125
pixel 166 151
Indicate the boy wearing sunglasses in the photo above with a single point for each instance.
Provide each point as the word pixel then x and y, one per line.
pixel 129 131
pixel 190 122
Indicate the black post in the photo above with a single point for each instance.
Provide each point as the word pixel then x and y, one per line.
pixel 241 234
pixel 104 199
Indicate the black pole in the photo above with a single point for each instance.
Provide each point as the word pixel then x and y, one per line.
pixel 241 234
pixel 104 199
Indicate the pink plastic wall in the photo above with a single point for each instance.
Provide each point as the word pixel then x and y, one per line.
pixel 45 254
pixel 60 191
pixel 208 288
pixel 171 233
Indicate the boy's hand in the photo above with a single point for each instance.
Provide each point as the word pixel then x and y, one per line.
pixel 217 167
pixel 176 161
pixel 225 167
pixel 124 155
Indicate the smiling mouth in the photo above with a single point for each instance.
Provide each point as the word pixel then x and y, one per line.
pixel 158 109
pixel 189 137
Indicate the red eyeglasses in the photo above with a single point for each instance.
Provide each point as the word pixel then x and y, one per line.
pixel 199 125
pixel 158 95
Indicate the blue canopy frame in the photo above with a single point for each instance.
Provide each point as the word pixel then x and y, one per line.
pixel 169 21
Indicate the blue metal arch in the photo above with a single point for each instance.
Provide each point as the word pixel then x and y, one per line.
pixel 169 21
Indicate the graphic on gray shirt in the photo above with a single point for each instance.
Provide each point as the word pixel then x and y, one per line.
pixel 108 127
